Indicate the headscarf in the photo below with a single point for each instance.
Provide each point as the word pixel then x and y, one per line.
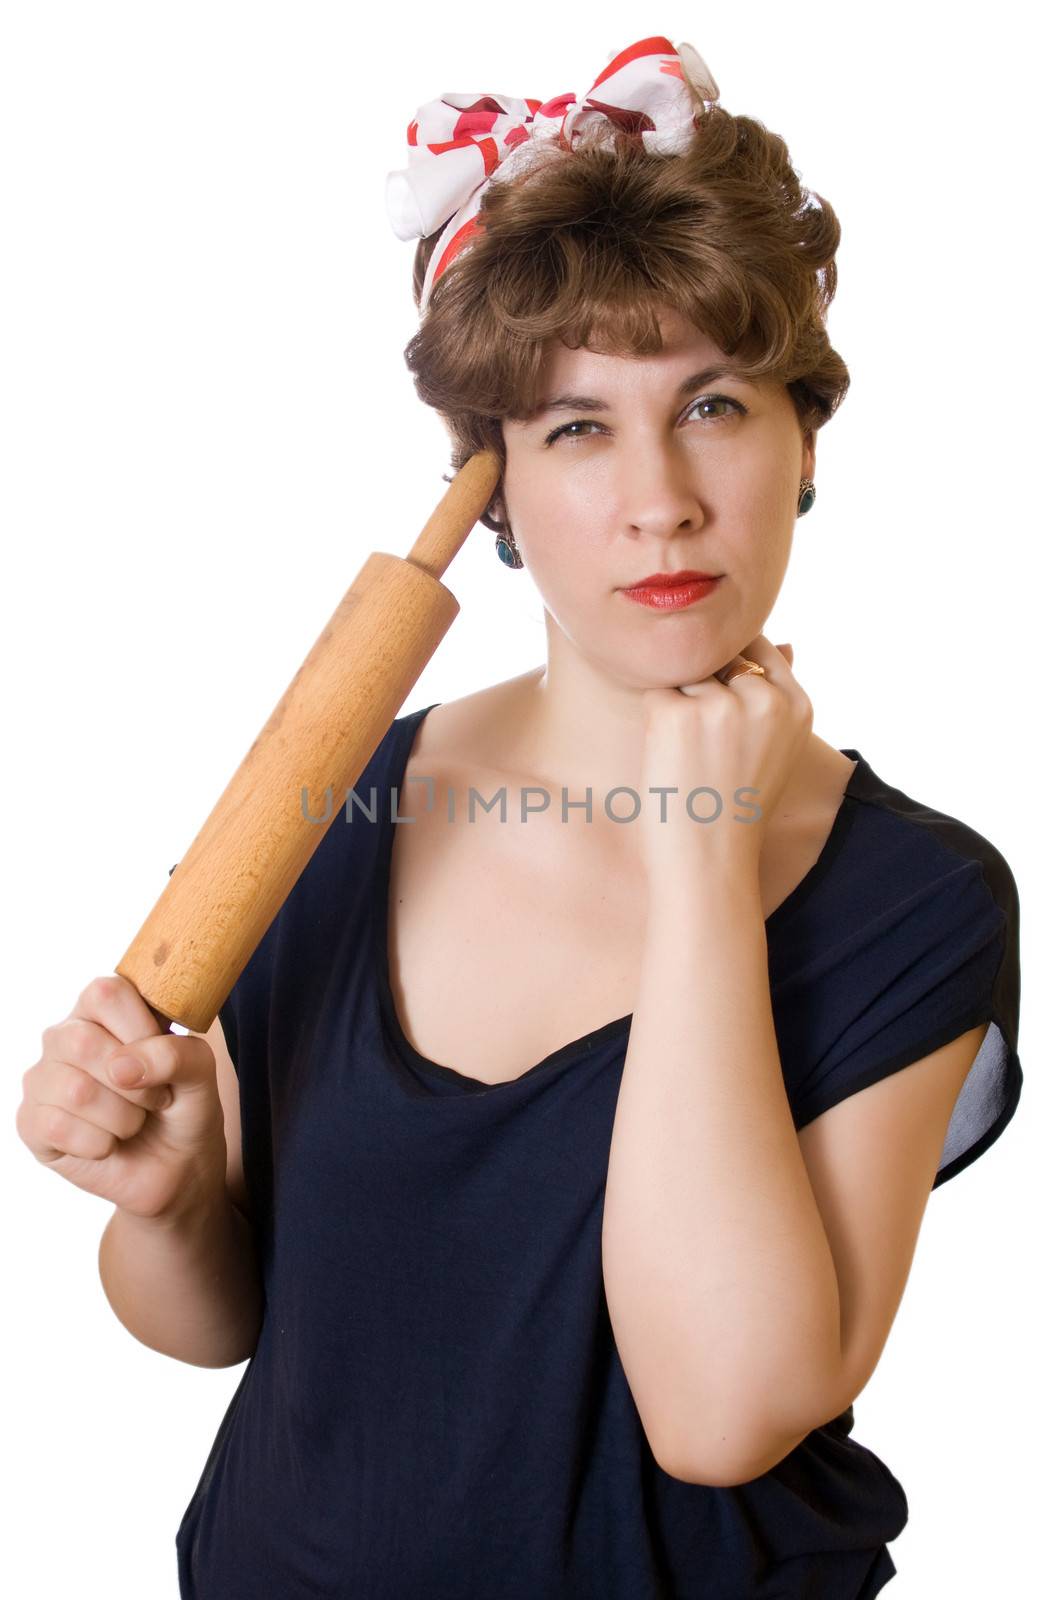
pixel 459 143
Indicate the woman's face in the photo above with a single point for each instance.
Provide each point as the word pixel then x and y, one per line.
pixel 655 479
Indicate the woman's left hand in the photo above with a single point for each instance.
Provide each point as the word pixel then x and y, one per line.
pixel 745 735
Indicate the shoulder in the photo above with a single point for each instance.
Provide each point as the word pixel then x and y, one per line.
pixel 473 728
pixel 903 886
pixel 918 844
pixel 466 740
pixel 914 924
pixel 910 941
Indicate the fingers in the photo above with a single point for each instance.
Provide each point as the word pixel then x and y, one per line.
pixel 767 655
pixel 184 1061
pixel 82 1091
pixel 118 1006
pixel 73 1103
pixel 87 1048
pixel 774 661
pixel 68 1110
pixel 52 1132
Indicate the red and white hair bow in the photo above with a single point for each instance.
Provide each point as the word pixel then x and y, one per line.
pixel 461 142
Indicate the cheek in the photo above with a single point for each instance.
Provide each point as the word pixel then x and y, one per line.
pixel 575 579
pixel 567 550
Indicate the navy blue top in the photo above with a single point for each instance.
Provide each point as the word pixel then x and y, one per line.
pixel 436 1408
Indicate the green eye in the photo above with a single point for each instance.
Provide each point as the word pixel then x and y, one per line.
pixel 716 400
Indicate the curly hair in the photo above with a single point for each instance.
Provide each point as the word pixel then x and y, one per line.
pixel 590 244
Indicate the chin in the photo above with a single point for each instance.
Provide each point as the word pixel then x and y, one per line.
pixel 671 675
pixel 671 668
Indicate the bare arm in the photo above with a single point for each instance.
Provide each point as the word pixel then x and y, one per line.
pixel 752 1271
pixel 719 1276
pixel 186 1286
pixel 186 1283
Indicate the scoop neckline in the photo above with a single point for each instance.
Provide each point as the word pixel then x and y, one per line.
pixel 411 1056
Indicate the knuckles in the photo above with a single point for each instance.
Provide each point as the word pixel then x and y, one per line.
pixel 75 1040
pixel 78 1089
pixel 104 989
pixel 54 1122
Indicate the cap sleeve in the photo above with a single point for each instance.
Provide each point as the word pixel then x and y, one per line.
pixel 939 960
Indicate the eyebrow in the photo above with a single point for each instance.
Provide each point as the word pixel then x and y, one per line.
pixel 585 402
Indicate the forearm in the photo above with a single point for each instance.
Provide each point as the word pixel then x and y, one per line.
pixel 187 1286
pixel 720 1281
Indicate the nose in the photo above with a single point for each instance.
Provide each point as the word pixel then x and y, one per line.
pixel 660 495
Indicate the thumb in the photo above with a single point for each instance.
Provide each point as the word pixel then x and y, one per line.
pixel 181 1061
pixel 787 652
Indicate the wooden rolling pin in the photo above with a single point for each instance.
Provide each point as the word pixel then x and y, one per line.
pixel 256 840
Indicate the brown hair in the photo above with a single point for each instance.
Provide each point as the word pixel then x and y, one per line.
pixel 587 244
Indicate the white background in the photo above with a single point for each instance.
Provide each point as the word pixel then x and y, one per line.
pixel 207 425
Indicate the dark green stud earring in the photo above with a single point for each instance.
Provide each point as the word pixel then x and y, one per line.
pixel 807 495
pixel 507 550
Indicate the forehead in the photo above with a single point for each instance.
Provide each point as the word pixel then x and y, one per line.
pixel 583 378
pixel 682 342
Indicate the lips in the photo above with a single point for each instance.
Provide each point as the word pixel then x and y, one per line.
pixel 664 580
pixel 672 594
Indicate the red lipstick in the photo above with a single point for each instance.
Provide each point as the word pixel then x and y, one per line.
pixel 672 591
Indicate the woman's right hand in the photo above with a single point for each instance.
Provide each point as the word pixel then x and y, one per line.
pixel 152 1149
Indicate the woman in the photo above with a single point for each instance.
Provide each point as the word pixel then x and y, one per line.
pixel 619 1133
pixel 588 1122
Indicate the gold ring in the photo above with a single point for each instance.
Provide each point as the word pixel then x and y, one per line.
pixel 741 669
